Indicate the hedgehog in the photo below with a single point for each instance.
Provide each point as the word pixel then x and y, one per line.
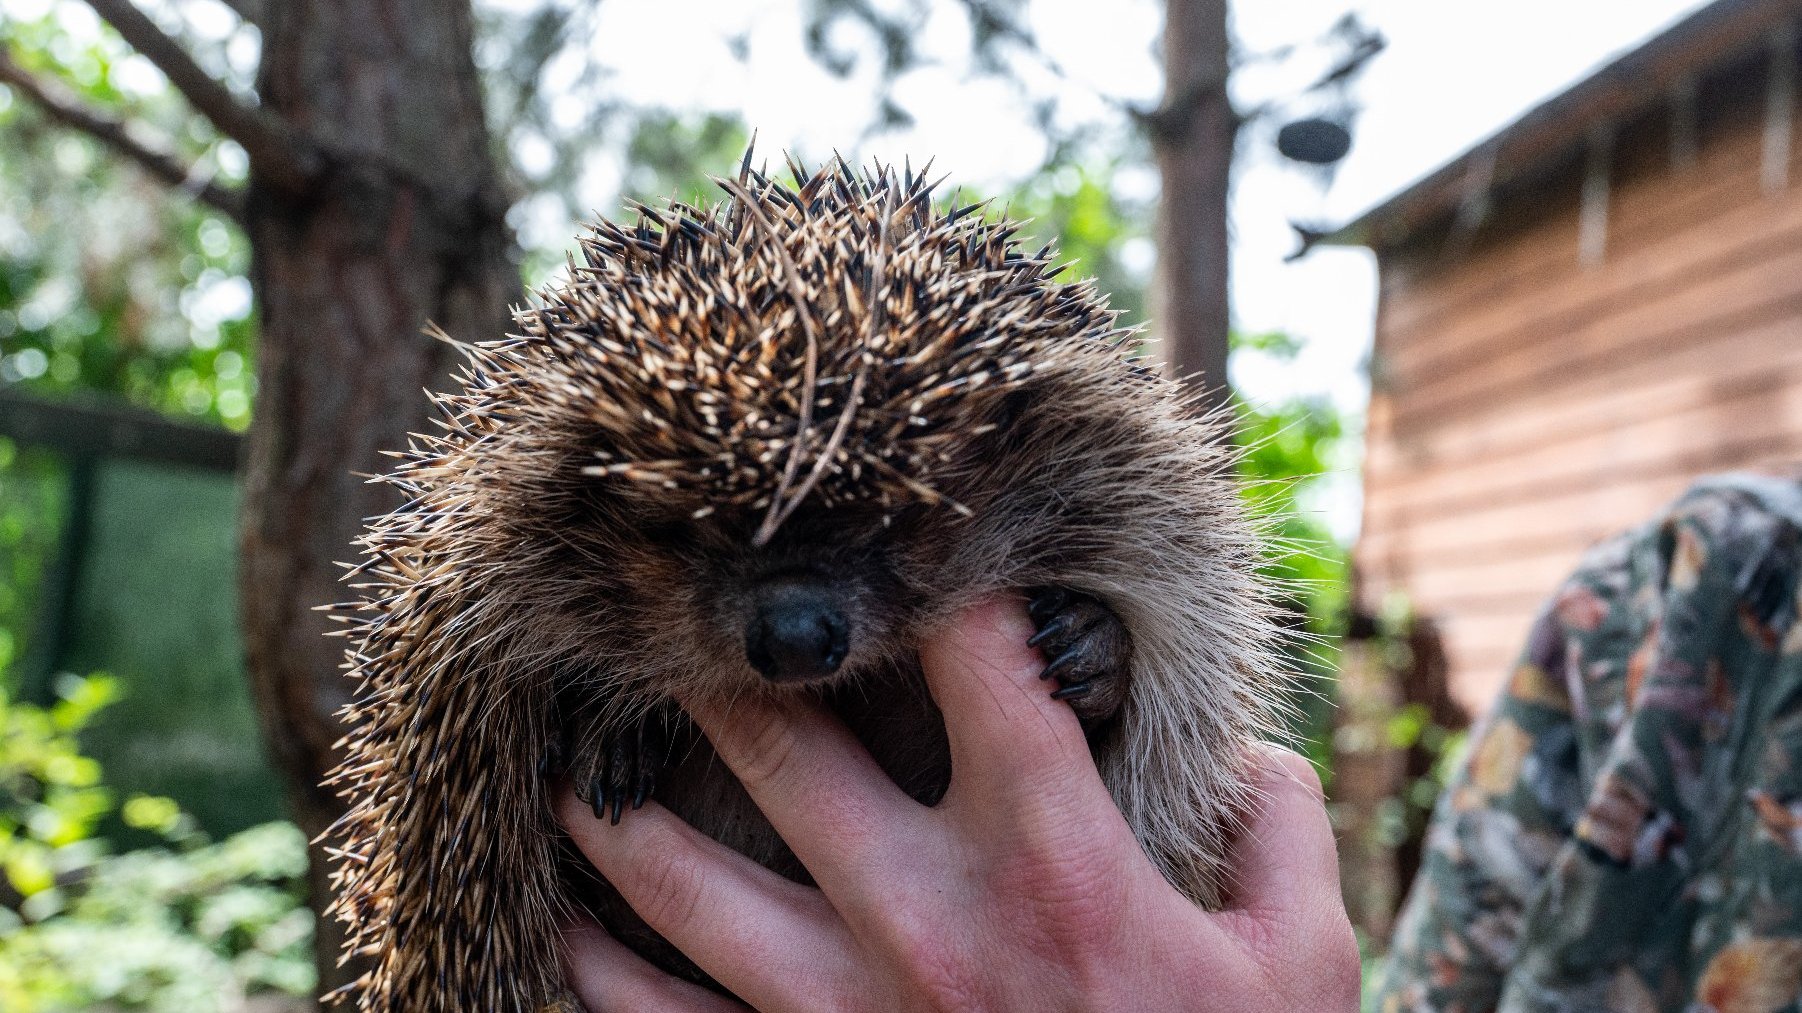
pixel 765 445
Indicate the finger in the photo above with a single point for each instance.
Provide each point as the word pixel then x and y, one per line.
pixel 607 977
pixel 1285 864
pixel 1009 739
pixel 833 806
pixel 756 933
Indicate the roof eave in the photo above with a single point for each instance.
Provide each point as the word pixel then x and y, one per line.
pixel 1711 36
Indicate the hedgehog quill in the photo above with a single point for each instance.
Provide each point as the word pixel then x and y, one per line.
pixel 765 447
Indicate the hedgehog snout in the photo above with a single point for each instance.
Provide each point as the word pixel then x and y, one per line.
pixel 797 632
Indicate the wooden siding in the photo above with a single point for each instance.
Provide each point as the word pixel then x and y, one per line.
pixel 1524 406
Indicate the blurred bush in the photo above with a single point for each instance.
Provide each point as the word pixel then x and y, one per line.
pixel 188 925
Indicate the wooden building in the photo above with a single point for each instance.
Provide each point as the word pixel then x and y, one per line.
pixel 1579 316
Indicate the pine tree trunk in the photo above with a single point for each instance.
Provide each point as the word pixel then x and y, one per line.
pixel 1192 135
pixel 402 225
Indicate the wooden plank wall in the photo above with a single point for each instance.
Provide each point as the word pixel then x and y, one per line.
pixel 1524 406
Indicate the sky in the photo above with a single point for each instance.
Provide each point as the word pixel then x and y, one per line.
pixel 1452 74
pixel 1431 95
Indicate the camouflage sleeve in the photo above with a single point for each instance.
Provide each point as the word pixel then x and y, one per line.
pixel 1600 847
pixel 1654 890
pixel 1510 807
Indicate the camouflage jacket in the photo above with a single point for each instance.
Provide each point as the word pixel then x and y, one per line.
pixel 1626 830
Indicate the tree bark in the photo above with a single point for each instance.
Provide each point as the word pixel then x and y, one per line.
pixel 1192 135
pixel 400 223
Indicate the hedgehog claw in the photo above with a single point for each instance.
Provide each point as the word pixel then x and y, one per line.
pixel 630 761
pixel 1087 651
pixel 1057 627
pixel 1061 665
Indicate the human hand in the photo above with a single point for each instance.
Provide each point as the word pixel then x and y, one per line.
pixel 1023 889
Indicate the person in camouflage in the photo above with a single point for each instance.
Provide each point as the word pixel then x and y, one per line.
pixel 1625 833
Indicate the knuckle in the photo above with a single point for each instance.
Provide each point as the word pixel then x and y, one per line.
pixel 1305 775
pixel 1060 922
pixel 1073 895
pixel 671 885
pixel 768 748
pixel 1318 968
pixel 919 940
pixel 1288 765
pixel 1069 896
pixel 933 968
pixel 1344 969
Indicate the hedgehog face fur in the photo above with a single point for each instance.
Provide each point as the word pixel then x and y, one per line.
pixel 744 507
pixel 766 447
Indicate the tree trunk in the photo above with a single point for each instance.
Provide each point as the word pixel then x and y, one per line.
pixel 401 224
pixel 1192 135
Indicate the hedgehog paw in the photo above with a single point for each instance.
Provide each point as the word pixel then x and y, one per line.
pixel 630 760
pixel 1086 648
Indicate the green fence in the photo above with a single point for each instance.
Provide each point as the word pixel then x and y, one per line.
pixel 135 537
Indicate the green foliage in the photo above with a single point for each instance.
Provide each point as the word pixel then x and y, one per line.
pixel 1096 229
pixel 107 283
pixel 676 156
pixel 1287 450
pixel 113 286
pixel 32 500
pixel 185 926
pixel 51 798
pixel 1405 816
pixel 1370 963
pixel 158 929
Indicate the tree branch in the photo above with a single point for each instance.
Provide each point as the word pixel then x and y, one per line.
pixel 251 12
pixel 277 153
pixel 63 106
pixel 1169 121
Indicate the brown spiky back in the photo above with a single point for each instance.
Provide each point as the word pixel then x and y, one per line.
pixel 818 339
pixel 831 341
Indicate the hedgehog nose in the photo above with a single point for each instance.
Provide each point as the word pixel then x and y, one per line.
pixel 798 634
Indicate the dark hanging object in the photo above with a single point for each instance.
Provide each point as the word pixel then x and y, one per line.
pixel 1315 141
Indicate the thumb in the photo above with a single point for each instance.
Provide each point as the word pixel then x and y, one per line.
pixel 1284 905
pixel 1285 864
